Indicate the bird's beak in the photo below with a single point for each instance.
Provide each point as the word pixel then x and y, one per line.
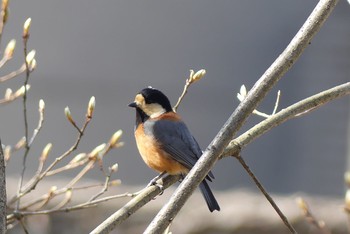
pixel 133 104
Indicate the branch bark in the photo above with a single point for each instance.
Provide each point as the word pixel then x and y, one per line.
pixel 216 148
pixel 239 116
pixel 302 107
pixel 2 192
pixel 133 205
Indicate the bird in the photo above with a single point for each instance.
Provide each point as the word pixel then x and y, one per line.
pixel 165 142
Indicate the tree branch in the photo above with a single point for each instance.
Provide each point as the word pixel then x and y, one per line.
pixel 34 181
pixel 233 149
pixel 266 194
pixel 27 146
pixel 239 116
pixel 296 110
pixel 145 196
pixel 2 192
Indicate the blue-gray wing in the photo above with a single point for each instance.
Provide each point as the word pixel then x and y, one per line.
pixel 177 141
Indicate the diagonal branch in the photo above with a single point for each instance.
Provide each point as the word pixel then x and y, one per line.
pixel 280 66
pixel 263 191
pixel 233 149
pixel 145 196
pixel 304 106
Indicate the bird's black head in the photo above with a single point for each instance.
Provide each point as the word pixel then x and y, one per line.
pixel 152 102
pixel 154 96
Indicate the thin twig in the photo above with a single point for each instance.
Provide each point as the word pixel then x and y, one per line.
pixel 4 60
pixel 320 225
pixel 47 199
pixel 13 74
pixel 23 225
pixel 187 84
pixel 242 95
pixel 71 208
pixel 40 123
pixel 3 16
pixel 8 100
pixel 8 150
pixel 27 146
pixel 38 171
pixel 68 152
pixel 60 192
pixel 304 106
pixel 277 102
pixel 76 127
pixel 10 96
pixel 30 186
pixel 268 197
pixel 27 72
pixel 65 201
pixel 68 187
pixel 193 77
pixel 105 187
pixel 67 167
pixel 256 112
pixel 42 161
pixel 87 168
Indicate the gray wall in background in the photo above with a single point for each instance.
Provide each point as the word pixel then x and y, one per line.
pixel 112 49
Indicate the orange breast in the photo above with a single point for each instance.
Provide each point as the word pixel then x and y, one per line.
pixel 154 156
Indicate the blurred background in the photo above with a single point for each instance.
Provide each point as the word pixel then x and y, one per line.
pixel 113 49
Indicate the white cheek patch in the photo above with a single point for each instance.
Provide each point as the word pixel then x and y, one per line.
pixel 153 110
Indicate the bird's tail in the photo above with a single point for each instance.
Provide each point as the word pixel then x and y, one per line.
pixel 209 196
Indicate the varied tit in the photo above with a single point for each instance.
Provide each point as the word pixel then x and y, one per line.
pixel 164 141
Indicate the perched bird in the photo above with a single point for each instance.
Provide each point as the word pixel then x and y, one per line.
pixel 164 141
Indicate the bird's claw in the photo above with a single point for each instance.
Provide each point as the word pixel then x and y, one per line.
pixel 152 182
pixel 161 188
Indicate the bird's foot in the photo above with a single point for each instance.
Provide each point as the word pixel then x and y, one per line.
pixel 182 177
pixel 154 182
pixel 161 188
